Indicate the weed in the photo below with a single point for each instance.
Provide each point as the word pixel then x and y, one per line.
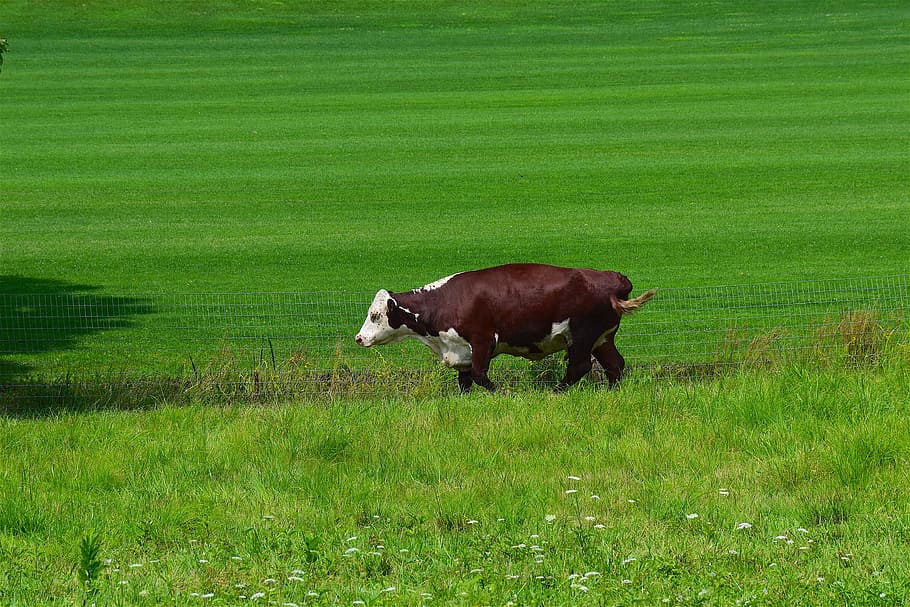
pixel 88 564
pixel 863 337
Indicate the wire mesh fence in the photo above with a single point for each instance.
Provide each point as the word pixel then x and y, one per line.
pixel 94 348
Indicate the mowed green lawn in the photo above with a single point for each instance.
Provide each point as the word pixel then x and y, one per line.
pixel 179 146
pixel 784 488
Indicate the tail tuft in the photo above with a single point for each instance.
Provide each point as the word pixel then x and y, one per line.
pixel 631 305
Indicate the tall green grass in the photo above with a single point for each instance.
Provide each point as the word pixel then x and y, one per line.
pixel 769 488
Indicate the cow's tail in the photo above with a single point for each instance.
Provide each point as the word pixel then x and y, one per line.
pixel 623 307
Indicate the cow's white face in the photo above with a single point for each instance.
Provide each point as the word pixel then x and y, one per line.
pixel 376 329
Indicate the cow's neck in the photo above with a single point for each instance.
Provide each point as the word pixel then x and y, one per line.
pixel 416 305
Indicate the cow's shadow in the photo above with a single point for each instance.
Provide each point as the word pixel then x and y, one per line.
pixel 43 316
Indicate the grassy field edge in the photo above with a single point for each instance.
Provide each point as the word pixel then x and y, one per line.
pixel 782 487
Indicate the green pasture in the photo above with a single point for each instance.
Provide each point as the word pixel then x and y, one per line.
pixel 258 146
pixel 783 488
pixel 151 149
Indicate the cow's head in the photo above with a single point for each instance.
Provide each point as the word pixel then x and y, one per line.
pixel 386 322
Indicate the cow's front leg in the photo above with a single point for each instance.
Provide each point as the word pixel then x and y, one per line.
pixel 481 354
pixel 465 381
pixel 579 366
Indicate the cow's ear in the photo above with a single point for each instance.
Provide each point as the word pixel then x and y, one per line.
pixel 392 304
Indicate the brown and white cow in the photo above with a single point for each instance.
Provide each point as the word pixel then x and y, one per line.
pixel 527 310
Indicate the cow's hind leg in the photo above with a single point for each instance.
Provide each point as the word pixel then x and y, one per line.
pixel 465 381
pixel 579 365
pixel 611 360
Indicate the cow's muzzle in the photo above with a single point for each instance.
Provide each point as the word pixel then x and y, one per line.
pixel 361 341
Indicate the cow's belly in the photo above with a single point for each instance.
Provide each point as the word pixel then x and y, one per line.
pixel 557 340
pixel 452 349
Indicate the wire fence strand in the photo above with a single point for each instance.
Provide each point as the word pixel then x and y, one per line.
pixel 50 342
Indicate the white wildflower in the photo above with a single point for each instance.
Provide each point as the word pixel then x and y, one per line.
pixel 742 526
pixel 692 516
pixel 574 478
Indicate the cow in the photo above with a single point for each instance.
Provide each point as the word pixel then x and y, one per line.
pixel 527 310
